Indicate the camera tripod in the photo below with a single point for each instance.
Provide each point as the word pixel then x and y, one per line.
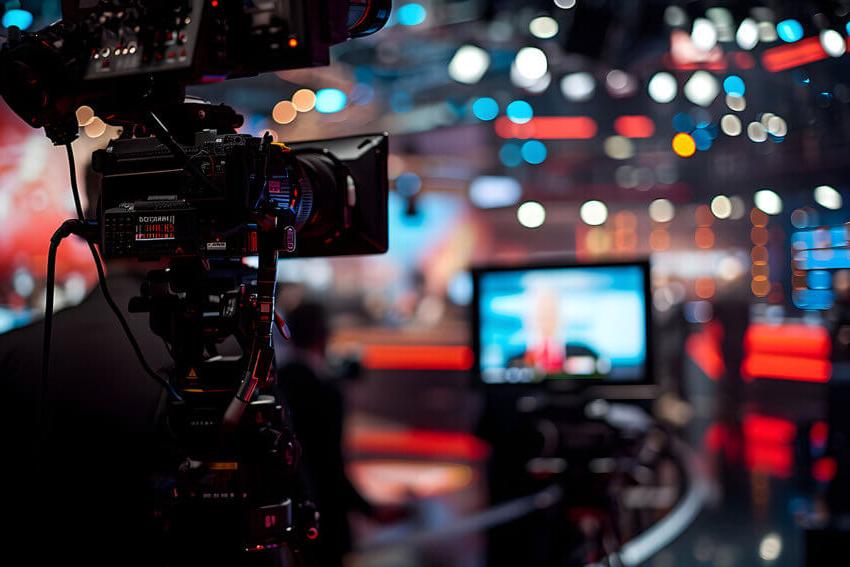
pixel 229 485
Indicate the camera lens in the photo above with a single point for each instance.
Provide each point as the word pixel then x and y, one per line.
pixel 365 17
pixel 322 197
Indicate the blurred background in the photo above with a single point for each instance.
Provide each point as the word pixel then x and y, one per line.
pixel 701 135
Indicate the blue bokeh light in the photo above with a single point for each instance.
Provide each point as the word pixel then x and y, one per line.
pixel 519 112
pixel 734 85
pixel 789 30
pixel 411 14
pixel 408 184
pixel 702 138
pixel 533 152
pixel 329 101
pixel 401 101
pixel 510 155
pixel 20 18
pixel 682 122
pixel 485 108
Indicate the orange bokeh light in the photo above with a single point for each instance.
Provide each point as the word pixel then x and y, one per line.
pixel 704 237
pixel 684 145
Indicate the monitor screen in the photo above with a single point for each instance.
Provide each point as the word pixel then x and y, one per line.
pixel 568 323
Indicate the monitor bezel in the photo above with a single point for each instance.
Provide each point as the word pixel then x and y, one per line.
pixel 573 383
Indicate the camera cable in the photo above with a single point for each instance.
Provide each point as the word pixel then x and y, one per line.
pixel 87 231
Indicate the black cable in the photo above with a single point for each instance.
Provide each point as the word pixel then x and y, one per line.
pixel 101 276
pixel 64 231
pixel 48 320
pixel 73 167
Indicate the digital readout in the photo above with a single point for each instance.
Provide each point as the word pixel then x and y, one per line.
pixel 155 227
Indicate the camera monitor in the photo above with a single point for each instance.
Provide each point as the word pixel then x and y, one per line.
pixel 547 324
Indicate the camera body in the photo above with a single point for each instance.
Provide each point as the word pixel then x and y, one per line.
pixel 326 198
pixel 125 57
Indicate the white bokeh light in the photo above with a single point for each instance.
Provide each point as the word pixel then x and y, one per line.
pixel 543 27
pixel 531 214
pixel 748 34
pixel 768 201
pixel 833 43
pixel 662 87
pixel 531 63
pixel 661 210
pixel 828 197
pixel 721 207
pixel 704 34
pixel 469 64
pixel 593 213
pixel 702 88
pixel 770 547
pixel 578 87
pixel 731 125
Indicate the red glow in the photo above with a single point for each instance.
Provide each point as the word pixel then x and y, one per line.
pixel 548 128
pixel 786 368
pixel 635 126
pixel 775 460
pixel 769 444
pixel 417 357
pixel 801 340
pixel 744 60
pixel 819 434
pixel 824 469
pixel 785 57
pixel 419 443
pixel 715 437
pixel 765 429
pixel 704 349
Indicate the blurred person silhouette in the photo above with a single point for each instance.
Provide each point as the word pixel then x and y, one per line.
pixel 76 480
pixel 309 386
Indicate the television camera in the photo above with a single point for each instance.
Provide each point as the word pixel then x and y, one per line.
pixel 181 184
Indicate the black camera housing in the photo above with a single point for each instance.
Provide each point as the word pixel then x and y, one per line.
pixel 331 196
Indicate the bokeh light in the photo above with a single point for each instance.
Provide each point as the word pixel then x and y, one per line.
pixel 704 34
pixel 304 100
pixel 533 152
pixel 519 112
pixel 734 85
pixel 833 43
pixel 15 17
pixel 731 125
pixel 411 14
pixel 828 197
pixel 543 27
pixel 531 63
pixel 684 145
pixel 661 210
pixel 789 30
pixel 284 112
pixel 721 207
pixel 329 101
pixel 531 214
pixel 662 87
pixel 702 88
pixel 578 87
pixel 485 108
pixel 469 64
pixel 747 35
pixel 593 213
pixel 768 201
pixel 509 154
